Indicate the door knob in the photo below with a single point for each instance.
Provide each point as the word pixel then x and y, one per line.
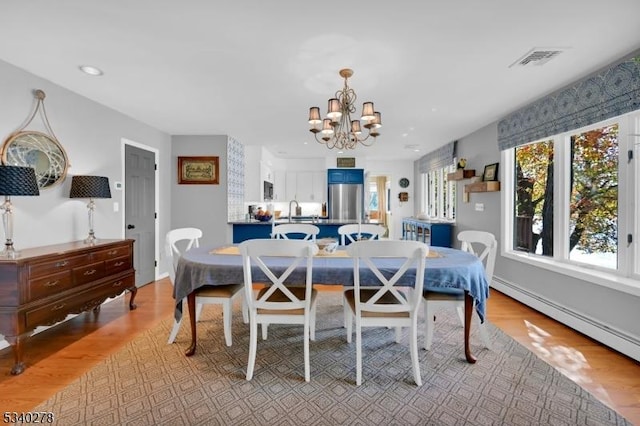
pixel 131 226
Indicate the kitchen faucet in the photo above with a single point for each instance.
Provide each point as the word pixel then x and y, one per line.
pixel 297 206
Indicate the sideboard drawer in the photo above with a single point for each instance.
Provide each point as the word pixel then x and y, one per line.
pixel 117 286
pixel 50 284
pixel 118 264
pixel 52 312
pixel 112 253
pixel 53 266
pixel 88 273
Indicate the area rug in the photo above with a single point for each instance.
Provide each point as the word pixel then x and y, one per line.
pixel 149 382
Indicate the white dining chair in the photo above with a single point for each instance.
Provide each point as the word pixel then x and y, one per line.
pixel 187 238
pixel 389 304
pixel 481 244
pixel 305 231
pixel 278 303
pixel 353 231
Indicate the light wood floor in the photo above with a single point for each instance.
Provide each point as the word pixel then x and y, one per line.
pixel 59 355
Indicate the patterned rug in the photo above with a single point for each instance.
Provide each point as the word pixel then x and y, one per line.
pixel 151 383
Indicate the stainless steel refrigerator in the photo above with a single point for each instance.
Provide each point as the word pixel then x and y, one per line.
pixel 346 201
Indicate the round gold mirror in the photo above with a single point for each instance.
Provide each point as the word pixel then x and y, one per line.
pixel 40 151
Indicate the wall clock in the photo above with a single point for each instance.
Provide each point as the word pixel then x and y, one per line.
pixel 404 183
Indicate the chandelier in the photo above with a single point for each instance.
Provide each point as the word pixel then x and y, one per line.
pixel 338 130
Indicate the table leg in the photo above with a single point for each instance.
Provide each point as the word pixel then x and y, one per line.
pixel 468 312
pixel 191 304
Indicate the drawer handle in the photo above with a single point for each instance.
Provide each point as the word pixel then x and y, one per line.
pixel 112 252
pixel 51 283
pixel 117 284
pixel 119 263
pixel 91 272
pixel 61 264
pixel 58 307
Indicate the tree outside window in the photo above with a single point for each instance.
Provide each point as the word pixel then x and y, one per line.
pixel 593 204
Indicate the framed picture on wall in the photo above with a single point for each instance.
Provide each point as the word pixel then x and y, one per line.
pixel 490 172
pixel 198 170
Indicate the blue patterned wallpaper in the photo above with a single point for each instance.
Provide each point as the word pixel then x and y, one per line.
pixel 610 92
pixel 235 180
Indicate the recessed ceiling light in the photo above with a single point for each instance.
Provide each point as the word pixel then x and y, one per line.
pixel 88 69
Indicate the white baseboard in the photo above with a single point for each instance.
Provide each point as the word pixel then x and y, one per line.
pixel 603 333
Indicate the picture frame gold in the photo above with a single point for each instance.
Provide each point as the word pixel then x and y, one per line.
pixel 346 161
pixel 199 170
pixel 490 172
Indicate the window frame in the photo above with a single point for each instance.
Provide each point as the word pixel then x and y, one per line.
pixel 626 277
pixel 439 204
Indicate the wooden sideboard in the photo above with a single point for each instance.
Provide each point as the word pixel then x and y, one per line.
pixel 45 284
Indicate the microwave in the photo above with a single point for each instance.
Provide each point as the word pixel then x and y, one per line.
pixel 268 191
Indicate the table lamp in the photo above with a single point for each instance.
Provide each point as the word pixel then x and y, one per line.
pixel 14 180
pixel 90 187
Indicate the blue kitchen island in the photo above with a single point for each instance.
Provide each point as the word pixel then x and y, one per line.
pixel 243 230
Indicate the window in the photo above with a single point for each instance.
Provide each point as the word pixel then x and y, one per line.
pixel 574 199
pixel 593 192
pixel 533 227
pixel 440 195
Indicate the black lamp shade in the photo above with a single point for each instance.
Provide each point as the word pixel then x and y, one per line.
pixel 90 187
pixel 16 180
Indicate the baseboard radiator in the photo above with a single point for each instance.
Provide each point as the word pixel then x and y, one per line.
pixel 618 340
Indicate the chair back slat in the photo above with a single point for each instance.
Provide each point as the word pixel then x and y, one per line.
pixel 371 230
pixel 412 254
pixel 175 238
pixel 284 231
pixel 294 253
pixel 483 245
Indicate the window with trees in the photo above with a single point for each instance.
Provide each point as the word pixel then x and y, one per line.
pixel 575 197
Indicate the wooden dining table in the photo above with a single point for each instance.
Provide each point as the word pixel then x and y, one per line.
pixel 446 269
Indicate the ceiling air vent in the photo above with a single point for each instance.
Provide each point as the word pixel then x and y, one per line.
pixel 537 56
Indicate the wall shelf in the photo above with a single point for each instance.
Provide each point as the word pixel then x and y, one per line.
pixel 489 186
pixel 461 174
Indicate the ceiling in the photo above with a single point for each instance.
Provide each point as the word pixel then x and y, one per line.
pixel 436 70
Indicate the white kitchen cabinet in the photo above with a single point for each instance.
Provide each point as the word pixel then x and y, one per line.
pixel 306 187
pixel 279 186
pixel 291 183
pixel 252 175
pixel 320 186
pixel 265 173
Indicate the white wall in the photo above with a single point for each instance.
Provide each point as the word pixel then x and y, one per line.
pixel 91 135
pixel 201 206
